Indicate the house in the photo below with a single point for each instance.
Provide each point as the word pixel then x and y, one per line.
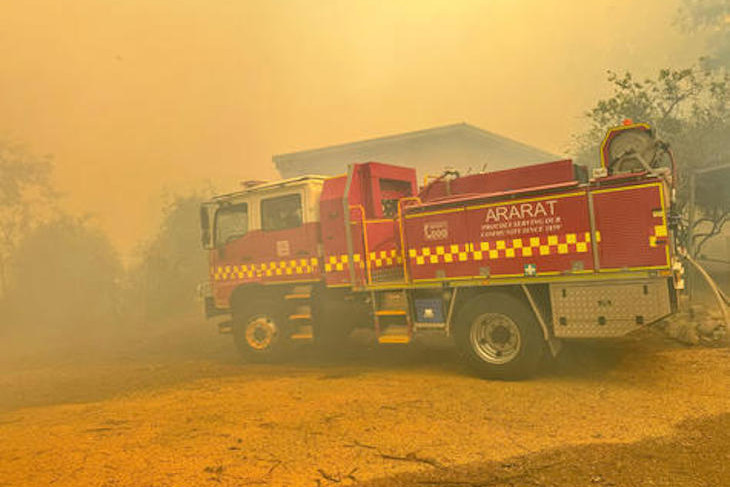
pixel 461 146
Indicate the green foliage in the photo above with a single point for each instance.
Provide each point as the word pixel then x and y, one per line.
pixel 20 171
pixel 712 17
pixel 689 108
pixel 164 281
pixel 65 275
pixel 61 273
pixel 25 197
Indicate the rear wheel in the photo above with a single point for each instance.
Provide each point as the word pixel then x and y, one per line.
pixel 499 337
pixel 258 335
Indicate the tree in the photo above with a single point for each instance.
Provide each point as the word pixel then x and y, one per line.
pixel 164 281
pixel 25 196
pixel 689 108
pixel 66 276
pixel 713 18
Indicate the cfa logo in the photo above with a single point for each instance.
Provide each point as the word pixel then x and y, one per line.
pixel 435 230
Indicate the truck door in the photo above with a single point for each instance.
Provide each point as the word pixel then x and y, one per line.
pixel 288 243
pixel 231 258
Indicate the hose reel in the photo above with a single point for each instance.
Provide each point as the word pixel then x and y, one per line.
pixel 634 147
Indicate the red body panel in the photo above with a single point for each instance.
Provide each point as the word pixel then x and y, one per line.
pixel 550 234
pixel 259 256
pixel 384 251
pixel 331 209
pixel 633 229
pixel 549 173
pixel 532 221
pixel 375 237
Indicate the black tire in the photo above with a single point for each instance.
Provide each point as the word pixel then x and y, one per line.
pixel 499 337
pixel 259 332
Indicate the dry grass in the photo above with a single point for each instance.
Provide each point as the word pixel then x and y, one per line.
pixel 176 408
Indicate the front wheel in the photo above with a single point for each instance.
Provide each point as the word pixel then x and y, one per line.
pixel 258 335
pixel 499 337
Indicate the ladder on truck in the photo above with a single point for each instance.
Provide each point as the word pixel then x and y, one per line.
pixel 391 316
pixel 300 315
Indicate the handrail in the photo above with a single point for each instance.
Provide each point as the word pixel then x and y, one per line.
pixel 478 198
pixel 346 220
pixel 366 251
pixel 402 233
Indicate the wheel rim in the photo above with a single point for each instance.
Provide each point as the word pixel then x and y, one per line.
pixel 495 338
pixel 261 332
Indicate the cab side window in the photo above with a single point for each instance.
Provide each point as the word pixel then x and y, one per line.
pixel 281 212
pixel 231 222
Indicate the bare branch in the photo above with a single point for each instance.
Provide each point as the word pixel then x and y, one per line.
pixel 412 457
pixel 716 229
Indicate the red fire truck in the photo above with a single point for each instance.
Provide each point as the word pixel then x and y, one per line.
pixel 510 263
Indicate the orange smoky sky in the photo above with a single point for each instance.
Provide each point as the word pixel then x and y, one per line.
pixel 137 98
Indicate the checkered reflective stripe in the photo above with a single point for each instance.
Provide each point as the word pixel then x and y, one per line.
pixel 381 258
pixel 660 232
pixel 335 263
pixel 289 267
pixel 385 258
pixel 569 243
pixel 440 253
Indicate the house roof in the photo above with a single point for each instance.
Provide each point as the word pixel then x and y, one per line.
pixel 466 128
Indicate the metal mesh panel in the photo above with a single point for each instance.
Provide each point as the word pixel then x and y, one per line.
pixel 602 310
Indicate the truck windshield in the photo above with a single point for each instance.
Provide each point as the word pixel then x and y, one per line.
pixel 231 222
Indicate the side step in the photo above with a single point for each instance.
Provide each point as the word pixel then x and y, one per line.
pixel 390 313
pixel 395 334
pixel 304 332
pixel 429 326
pixel 297 296
pixel 299 293
pixel 225 327
pixel 301 316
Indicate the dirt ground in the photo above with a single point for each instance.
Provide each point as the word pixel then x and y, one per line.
pixel 177 408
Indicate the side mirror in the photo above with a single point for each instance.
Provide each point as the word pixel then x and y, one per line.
pixel 205 239
pixel 206 234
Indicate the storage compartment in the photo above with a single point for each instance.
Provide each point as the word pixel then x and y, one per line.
pixel 604 310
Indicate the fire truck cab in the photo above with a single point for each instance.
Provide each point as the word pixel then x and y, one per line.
pixel 509 263
pixel 267 232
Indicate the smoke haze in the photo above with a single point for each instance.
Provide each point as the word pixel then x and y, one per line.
pixel 137 98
